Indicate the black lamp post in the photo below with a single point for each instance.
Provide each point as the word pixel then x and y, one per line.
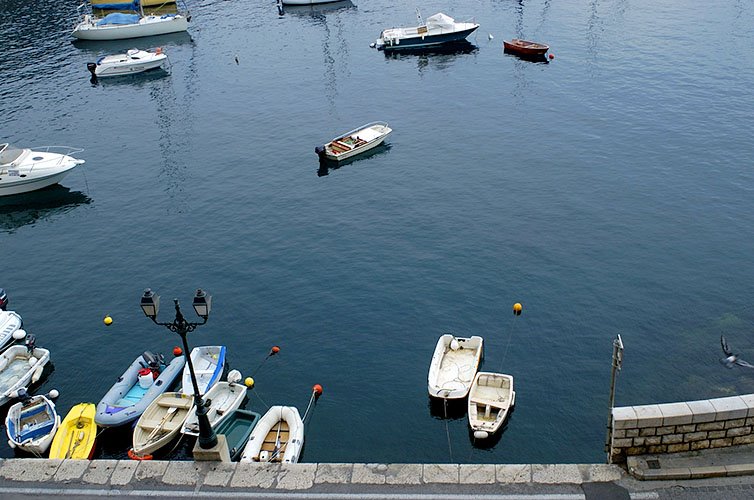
pixel 150 304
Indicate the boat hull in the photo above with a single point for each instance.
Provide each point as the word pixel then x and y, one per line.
pixel 31 425
pixel 29 184
pixel 15 371
pixel 525 48
pixel 355 142
pixel 237 428
pixel 149 26
pixel 418 41
pixel 130 67
pixel 490 399
pixel 208 363
pixel 454 366
pixel 277 437
pixel 224 398
pixel 161 422
pixel 76 435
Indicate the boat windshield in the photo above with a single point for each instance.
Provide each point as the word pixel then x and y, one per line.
pixel 9 153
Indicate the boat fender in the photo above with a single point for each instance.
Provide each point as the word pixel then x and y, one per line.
pixel 37 375
pixel 11 444
pixel 454 345
pixel 480 434
pixel 264 456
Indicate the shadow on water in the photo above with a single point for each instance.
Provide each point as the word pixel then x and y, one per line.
pixel 326 165
pixel 23 209
pixel 318 10
pixel 447 409
pixel 439 57
pixel 104 47
pixel 538 58
pixel 136 80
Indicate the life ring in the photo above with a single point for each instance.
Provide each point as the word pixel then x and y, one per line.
pixel 133 456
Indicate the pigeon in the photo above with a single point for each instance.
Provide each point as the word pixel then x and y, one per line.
pixel 730 359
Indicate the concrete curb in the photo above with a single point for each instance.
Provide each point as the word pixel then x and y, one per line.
pixel 648 469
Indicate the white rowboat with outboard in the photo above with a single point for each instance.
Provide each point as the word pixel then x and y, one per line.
pixel 208 362
pixel 490 398
pixel 453 366
pixel 355 142
pixel 223 398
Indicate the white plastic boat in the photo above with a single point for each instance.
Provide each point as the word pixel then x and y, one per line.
pixel 10 323
pixel 133 61
pixel 118 26
pixel 490 398
pixel 23 170
pixel 223 398
pixel 20 366
pixel 355 142
pixel 161 422
pixel 277 437
pixel 31 424
pixel 439 29
pixel 209 363
pixel 454 364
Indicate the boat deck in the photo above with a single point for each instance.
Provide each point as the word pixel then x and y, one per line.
pixel 457 366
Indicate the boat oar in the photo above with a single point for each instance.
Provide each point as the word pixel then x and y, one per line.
pixel 171 411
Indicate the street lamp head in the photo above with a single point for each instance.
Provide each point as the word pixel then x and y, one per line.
pixel 150 304
pixel 202 303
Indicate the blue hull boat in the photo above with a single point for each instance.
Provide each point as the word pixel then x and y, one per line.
pixel 439 29
pixel 136 389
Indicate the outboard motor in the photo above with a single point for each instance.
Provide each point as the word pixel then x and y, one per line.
pixel 3 300
pixel 23 395
pixel 320 150
pixel 280 8
pixel 31 343
pixel 92 67
pixel 153 362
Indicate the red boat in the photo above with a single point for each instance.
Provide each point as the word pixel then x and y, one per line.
pixel 525 47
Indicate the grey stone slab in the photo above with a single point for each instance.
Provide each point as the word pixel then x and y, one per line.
pixel 253 474
pixel 601 473
pixel 217 473
pixel 123 473
pixel 702 411
pixel 476 474
pixel 70 470
pixel 624 417
pixel 513 473
pixel 664 474
pixel 648 416
pixel 404 474
pixel 675 414
pixel 369 473
pixel 333 473
pixel 441 473
pixel 296 476
pixel 739 470
pixel 748 399
pixel 29 469
pixel 181 473
pixel 149 469
pixel 730 408
pixel 698 472
pixel 556 473
pixel 99 471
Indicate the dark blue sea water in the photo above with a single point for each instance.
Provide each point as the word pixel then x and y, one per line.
pixel 609 191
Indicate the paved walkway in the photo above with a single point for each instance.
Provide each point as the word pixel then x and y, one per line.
pixel 720 462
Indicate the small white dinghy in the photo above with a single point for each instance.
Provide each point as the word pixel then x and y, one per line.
pixel 277 437
pixel 209 363
pixel 21 366
pixel 133 61
pixel 223 398
pixel 10 323
pixel 454 364
pixel 161 422
pixel 355 142
pixel 32 423
pixel 490 399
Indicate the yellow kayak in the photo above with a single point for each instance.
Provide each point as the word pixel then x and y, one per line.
pixel 76 434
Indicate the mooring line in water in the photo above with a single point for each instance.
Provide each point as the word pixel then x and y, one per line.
pixel 516 312
pixel 447 430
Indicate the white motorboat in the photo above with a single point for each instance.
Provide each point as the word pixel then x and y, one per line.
pixel 277 437
pixel 223 398
pixel 208 362
pixel 490 398
pixel 439 29
pixel 10 323
pixel 118 26
pixel 355 142
pixel 454 364
pixel 23 170
pixel 31 424
pixel 133 61
pixel 161 422
pixel 20 366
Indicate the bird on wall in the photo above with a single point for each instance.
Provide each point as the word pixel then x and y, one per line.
pixel 730 359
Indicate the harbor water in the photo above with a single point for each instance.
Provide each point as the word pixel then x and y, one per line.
pixel 609 190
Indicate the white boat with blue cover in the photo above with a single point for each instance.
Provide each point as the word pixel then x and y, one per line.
pixel 133 392
pixel 118 26
pixel 439 29
pixel 31 424
pixel 21 366
pixel 209 363
pixel 10 323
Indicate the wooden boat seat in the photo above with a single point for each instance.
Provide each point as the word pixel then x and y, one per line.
pixel 150 425
pixel 204 372
pixel 347 147
pixel 180 403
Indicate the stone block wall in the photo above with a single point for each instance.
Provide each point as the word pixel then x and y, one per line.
pixel 685 426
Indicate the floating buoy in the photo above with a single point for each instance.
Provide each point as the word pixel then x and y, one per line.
pixel 177 351
pixel 317 390
pixel 249 382
pixel 275 349
pixel 133 456
pixel 19 334
pixel 552 56
pixel 108 321
pixel 517 308
pixel 480 435
pixel 53 394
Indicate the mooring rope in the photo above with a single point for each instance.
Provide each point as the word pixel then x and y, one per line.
pixel 311 400
pixel 447 430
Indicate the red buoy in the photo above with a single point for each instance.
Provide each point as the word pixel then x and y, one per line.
pixel 317 390
pixel 552 56
pixel 177 351
pixel 275 349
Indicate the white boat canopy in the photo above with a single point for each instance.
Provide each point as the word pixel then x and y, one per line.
pixel 441 21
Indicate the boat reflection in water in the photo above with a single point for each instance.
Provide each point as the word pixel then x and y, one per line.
pixel 326 165
pixel 447 409
pixel 317 8
pixel 26 209
pixel 534 58
pixel 441 57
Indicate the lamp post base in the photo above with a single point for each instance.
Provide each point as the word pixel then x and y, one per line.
pixel 218 453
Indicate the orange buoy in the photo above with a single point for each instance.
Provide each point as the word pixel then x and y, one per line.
pixel 317 390
pixel 552 56
pixel 517 308
pixel 133 456
pixel 275 349
pixel 177 351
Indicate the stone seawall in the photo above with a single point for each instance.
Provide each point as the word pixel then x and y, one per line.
pixel 684 426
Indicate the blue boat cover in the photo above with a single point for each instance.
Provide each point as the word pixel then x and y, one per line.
pixel 118 5
pixel 119 18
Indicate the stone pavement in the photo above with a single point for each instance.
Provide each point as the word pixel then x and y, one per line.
pixel 721 462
